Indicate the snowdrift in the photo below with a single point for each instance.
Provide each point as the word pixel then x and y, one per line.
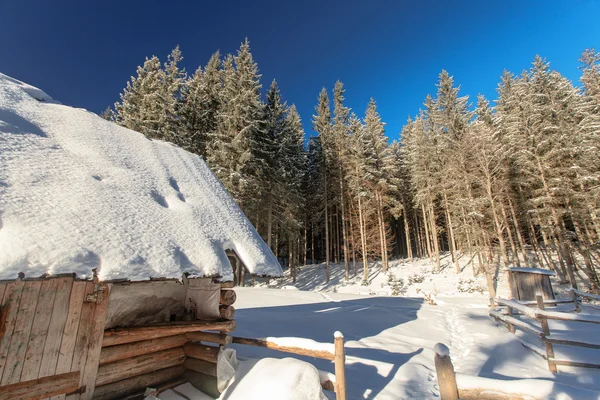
pixel 78 192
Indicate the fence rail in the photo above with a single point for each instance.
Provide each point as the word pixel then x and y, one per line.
pixel 537 324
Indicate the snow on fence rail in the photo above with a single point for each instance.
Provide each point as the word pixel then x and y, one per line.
pixel 539 315
pixel 306 347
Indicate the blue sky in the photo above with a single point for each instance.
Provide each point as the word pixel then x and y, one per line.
pixel 83 52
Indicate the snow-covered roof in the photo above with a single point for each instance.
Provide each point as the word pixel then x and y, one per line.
pixel 533 271
pixel 78 192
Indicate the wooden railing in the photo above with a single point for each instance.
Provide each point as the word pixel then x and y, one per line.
pixel 536 321
pixel 336 354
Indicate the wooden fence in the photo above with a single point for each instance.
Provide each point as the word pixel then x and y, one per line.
pixel 535 320
pixel 337 356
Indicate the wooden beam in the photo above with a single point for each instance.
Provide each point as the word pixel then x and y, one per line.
pixel 113 337
pixel 228 297
pixel 210 337
pixel 137 384
pixel 567 342
pixel 123 369
pixel 123 351
pixel 202 366
pixel 41 388
pixel 201 352
pixel 570 363
pixel 326 355
pixel 227 312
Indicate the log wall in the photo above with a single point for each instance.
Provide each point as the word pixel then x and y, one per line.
pixel 53 337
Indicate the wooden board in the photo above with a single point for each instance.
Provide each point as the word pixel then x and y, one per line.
pixel 20 335
pixel 39 330
pixel 84 332
pixel 137 384
pixel 70 331
pixel 41 388
pixel 120 352
pixel 94 343
pixel 119 370
pixel 60 312
pixel 10 305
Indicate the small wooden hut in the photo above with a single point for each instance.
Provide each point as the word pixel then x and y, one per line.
pixel 114 273
pixel 526 282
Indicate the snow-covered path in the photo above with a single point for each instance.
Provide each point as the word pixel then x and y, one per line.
pixel 389 340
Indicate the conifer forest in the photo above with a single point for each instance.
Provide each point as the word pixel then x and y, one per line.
pixel 510 181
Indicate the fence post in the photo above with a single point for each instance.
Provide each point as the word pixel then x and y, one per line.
pixel 340 362
pixel 575 300
pixel 511 327
pixel 546 330
pixel 445 373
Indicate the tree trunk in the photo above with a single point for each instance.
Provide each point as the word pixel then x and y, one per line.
pixel 451 232
pixel 312 245
pixel 434 238
pixel 518 231
pixel 363 242
pixel 344 234
pixel 270 220
pixel 382 235
pixel 497 224
pixel 407 234
pixel 327 265
pixel 513 248
pixel 427 239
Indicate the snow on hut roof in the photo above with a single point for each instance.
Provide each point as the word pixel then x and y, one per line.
pixel 533 271
pixel 78 192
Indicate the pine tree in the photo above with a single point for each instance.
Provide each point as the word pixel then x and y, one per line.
pixel 322 125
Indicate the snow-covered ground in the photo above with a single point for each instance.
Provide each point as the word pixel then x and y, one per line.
pixel 390 339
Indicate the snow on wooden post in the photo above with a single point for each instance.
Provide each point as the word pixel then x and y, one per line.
pixel 340 371
pixel 445 372
pixel 546 330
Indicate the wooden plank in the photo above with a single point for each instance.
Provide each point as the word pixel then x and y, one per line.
pixel 10 305
pixel 575 343
pixel 202 352
pixel 39 330
pixel 518 323
pixel 117 336
pixel 94 346
pixel 205 367
pixel 41 388
pixel 120 352
pixel 326 355
pixel 20 336
pixel 69 337
pixel 60 312
pixel 84 332
pixel 137 384
pixel 123 369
